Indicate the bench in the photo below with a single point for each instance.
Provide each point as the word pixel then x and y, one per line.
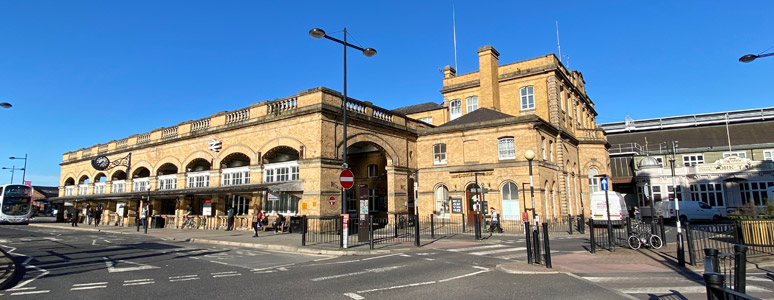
pixel 267 226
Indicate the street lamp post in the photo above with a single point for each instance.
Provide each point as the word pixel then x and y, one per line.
pixel 24 174
pixel 319 33
pixel 680 254
pixel 529 155
pixel 750 57
pixel 13 169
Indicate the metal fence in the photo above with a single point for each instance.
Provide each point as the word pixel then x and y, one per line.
pixel 607 237
pixel 757 235
pixel 725 273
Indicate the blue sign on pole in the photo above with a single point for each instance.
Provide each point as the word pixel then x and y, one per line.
pixel 603 184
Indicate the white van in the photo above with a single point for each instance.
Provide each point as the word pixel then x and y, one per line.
pixel 690 210
pixel 618 209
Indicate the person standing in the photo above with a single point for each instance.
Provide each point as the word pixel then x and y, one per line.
pixel 230 224
pixel 84 213
pixel 74 217
pixel 257 222
pixel 90 214
pixel 144 215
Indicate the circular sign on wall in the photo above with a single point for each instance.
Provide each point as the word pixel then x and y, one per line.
pixel 347 179
pixel 332 200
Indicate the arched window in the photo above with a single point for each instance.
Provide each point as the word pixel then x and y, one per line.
pixel 471 104
pixel 509 194
pixel 593 181
pixel 442 205
pixel 527 97
pixel 455 109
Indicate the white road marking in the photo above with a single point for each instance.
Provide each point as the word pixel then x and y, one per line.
pixel 498 251
pixel 109 242
pixel 218 273
pixel 377 270
pixel 430 259
pixel 698 289
pixel 22 289
pixel 476 248
pixel 111 266
pixel 26 261
pixel 88 284
pixel 30 292
pixel 88 287
pixel 139 283
pixel 463 276
pixel 354 296
pixel 483 270
pixel 138 280
pixel 183 276
pixel 397 287
pixel 274 267
pixel 94 242
pixel 226 275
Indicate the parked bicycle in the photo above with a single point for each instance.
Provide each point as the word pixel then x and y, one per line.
pixel 188 223
pixel 641 235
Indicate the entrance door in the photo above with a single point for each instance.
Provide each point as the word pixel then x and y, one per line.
pixel 473 195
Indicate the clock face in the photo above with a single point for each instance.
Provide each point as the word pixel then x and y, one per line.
pixel 100 162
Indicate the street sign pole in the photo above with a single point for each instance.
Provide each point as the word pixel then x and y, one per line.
pixel 347 180
pixel 604 184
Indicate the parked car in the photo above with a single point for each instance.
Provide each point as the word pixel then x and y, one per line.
pixel 690 210
pixel 618 210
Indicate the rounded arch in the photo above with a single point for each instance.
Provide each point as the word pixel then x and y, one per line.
pixel 281 154
pixel 69 181
pixel 84 178
pixel 224 154
pixel 141 172
pixel 141 164
pixel 197 155
pixel 393 159
pixel 100 177
pixel 441 200
pixel 118 175
pixel 281 141
pixel 234 160
pixel 166 161
pixel 198 165
pixel 167 169
pixel 509 200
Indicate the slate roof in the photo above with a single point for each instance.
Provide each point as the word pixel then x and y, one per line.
pixel 477 116
pixel 406 110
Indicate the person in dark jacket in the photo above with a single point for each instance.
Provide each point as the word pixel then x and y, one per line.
pixel 230 225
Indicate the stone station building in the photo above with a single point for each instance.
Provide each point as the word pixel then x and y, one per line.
pixel 284 156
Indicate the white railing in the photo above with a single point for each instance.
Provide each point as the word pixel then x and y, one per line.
pixel 169 132
pixel 143 138
pixel 140 184
pixel 83 189
pixel 119 186
pixel 382 114
pixel 356 107
pixel 200 125
pixel 69 190
pixel 235 176
pixel 167 182
pixel 198 179
pixel 237 116
pixel 281 105
pixel 99 188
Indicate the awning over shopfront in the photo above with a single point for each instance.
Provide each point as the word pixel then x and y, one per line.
pixel 247 188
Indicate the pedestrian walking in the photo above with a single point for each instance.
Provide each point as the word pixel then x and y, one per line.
pixel 495 222
pixel 98 215
pixel 230 224
pixel 637 215
pixel 144 215
pixel 84 212
pixel 257 222
pixel 74 217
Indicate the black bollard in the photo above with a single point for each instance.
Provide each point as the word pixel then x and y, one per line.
pixel 463 223
pixel 432 226
pixel 536 244
pixel 714 283
pixel 395 227
pixel 303 231
pixel 547 245
pixel 416 231
pixel 711 261
pixel 591 236
pixel 529 243
pixel 740 268
pixel 569 218
pixel 663 232
pixel 689 237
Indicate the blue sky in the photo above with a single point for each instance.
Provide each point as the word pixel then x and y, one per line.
pixel 81 73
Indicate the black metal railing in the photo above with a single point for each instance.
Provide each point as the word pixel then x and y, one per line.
pixel 726 273
pixel 602 237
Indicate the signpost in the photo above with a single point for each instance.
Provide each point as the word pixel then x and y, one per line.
pixel 345 230
pixel 604 185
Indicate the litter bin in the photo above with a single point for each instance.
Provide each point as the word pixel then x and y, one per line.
pixel 296 224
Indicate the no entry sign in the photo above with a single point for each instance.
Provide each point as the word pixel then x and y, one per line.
pixel 347 179
pixel 332 200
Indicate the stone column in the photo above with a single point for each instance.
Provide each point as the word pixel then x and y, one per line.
pixel 397 189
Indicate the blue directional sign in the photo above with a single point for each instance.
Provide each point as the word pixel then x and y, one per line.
pixel 603 184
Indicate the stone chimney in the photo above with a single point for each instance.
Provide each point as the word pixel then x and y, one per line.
pixel 488 74
pixel 449 72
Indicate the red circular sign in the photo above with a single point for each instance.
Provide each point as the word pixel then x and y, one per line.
pixel 332 200
pixel 347 179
